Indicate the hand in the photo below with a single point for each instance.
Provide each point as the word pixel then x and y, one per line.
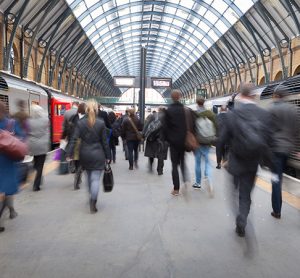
pixel 68 159
pixel 108 161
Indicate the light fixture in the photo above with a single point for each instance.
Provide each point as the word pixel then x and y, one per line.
pixel 69 65
pixel 61 60
pixel 28 33
pixel 232 69
pixel 42 43
pixel 284 43
pixel 11 18
pixel 224 73
pixel 241 65
pixel 266 52
pixel 252 59
pixel 53 52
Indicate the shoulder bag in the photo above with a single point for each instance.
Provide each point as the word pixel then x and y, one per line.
pixel 191 142
pixel 138 134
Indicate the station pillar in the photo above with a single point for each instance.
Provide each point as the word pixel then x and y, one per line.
pixel 142 84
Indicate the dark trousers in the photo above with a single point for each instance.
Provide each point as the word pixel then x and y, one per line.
pixel 177 159
pixel 39 161
pixel 113 152
pixel 244 184
pixel 280 160
pixel 160 164
pixel 220 152
pixel 133 152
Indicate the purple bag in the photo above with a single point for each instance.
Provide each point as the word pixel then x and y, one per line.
pixel 57 154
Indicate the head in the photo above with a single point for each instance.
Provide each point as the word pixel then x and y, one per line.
pixel 176 95
pixel 21 104
pixel 75 104
pixel 247 91
pixel 37 111
pixel 81 108
pixel 200 101
pixel 2 110
pixel 91 111
pixel 280 92
pixel 131 112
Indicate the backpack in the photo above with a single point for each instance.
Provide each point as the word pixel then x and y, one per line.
pixel 70 126
pixel 205 130
pixel 116 129
pixel 248 140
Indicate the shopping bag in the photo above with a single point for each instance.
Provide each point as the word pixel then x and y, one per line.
pixel 63 165
pixel 108 179
pixel 57 154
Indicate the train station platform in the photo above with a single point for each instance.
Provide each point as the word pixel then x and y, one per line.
pixel 141 230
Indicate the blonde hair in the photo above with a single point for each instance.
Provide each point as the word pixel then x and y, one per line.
pixel 91 110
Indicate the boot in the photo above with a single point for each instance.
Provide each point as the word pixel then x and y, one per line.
pixel 2 207
pixel 9 201
pixel 93 207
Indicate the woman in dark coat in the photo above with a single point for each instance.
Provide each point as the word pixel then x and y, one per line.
pixel 156 146
pixel 8 168
pixel 130 127
pixel 94 151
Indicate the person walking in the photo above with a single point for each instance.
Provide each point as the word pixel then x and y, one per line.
pixel 175 130
pixel 285 133
pixel 113 136
pixel 221 151
pixel 8 168
pixel 131 127
pixel 38 141
pixel 247 131
pixel 93 152
pixel 78 167
pixel 206 134
pixel 156 146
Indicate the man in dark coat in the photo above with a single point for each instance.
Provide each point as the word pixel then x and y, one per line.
pixel 220 151
pixel 175 130
pixel 286 128
pixel 248 134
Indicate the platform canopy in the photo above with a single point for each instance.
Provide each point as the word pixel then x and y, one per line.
pixel 175 32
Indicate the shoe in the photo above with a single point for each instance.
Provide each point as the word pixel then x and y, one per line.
pixel 276 215
pixel 218 166
pixel 2 229
pixel 13 214
pixel 240 231
pixel 36 189
pixel 196 185
pixel 160 173
pixel 136 165
pixel 93 207
pixel 175 192
pixel 130 167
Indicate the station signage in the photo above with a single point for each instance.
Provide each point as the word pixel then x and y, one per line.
pixel 161 82
pixel 124 81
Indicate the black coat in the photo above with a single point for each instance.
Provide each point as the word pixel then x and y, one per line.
pixel 174 126
pixel 93 146
pixel 248 112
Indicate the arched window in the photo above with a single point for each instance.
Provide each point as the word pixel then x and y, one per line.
pixel 278 76
pixel 262 81
pixel 297 71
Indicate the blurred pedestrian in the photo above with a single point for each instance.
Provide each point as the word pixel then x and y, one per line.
pixel 78 167
pixel 206 134
pixel 175 131
pixel 22 116
pixel 8 168
pixel 114 134
pixel 156 146
pixel 285 134
pixel 69 115
pixel 131 128
pixel 38 141
pixel 247 131
pixel 94 150
pixel 221 151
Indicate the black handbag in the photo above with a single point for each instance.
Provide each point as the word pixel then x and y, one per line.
pixel 108 179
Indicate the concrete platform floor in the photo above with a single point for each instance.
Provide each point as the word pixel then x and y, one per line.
pixel 141 230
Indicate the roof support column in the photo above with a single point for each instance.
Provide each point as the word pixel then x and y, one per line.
pixel 142 84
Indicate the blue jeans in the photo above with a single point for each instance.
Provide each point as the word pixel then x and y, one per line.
pixel 279 164
pixel 133 146
pixel 202 151
pixel 93 177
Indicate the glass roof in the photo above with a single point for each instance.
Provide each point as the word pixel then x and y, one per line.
pixel 175 32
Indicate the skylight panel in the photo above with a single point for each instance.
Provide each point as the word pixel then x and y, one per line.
pixel 86 21
pixel 203 26
pixel 213 35
pixel 96 13
pixel 100 23
pixel 91 30
pixel 220 5
pixel 211 17
pixel 79 9
pixel 90 3
pixel 124 11
pixel 170 10
pixel 187 3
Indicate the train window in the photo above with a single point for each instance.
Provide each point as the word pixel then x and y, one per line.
pixel 60 109
pixel 4 99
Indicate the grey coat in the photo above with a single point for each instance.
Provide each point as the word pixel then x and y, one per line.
pixel 38 136
pixel 285 127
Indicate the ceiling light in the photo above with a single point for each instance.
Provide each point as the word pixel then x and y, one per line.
pixel 266 52
pixel 252 59
pixel 284 43
pixel 28 33
pixel 11 18
pixel 42 43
